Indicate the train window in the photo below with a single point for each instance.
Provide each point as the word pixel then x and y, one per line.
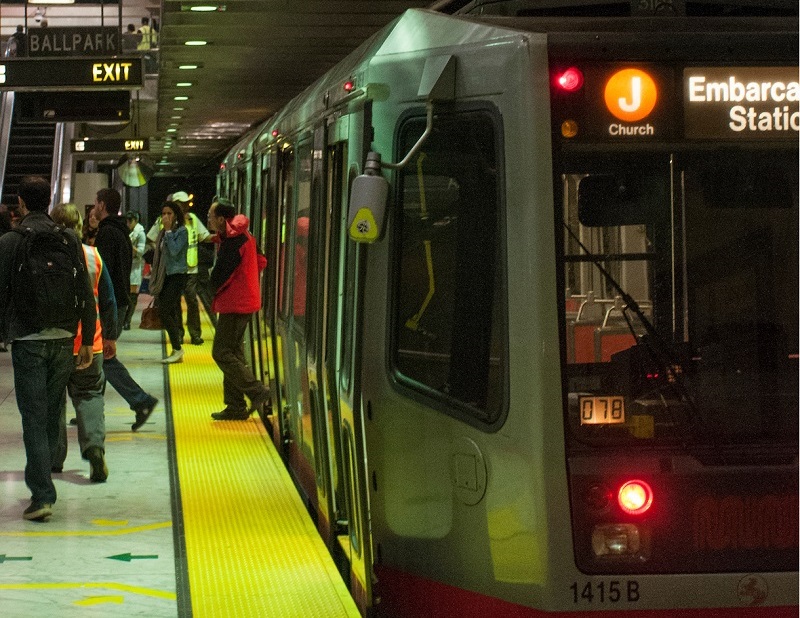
pixel 286 199
pixel 448 339
pixel 683 325
pixel 301 231
pixel 349 301
pixel 617 199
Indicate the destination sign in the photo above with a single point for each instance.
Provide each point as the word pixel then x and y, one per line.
pixel 628 103
pixel 90 41
pixel 109 73
pixel 93 145
pixel 761 103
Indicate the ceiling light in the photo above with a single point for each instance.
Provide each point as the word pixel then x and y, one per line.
pixel 175 117
pixel 181 98
pixel 189 67
pixel 55 2
pixel 178 109
pixel 183 84
pixel 196 43
pixel 203 7
pixel 172 131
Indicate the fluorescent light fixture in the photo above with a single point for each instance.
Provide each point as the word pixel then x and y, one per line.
pixel 196 43
pixel 171 131
pixel 181 98
pixel 53 2
pixel 178 109
pixel 183 84
pixel 189 67
pixel 175 117
pixel 203 8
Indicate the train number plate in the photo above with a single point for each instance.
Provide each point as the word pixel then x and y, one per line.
pixel 602 410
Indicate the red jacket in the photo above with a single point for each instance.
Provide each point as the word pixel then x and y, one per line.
pixel 235 278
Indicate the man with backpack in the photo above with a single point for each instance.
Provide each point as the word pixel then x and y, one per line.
pixel 44 293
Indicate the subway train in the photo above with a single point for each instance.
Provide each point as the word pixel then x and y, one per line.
pixel 530 316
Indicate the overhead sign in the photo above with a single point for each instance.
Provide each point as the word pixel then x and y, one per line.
pixel 90 41
pixel 108 73
pixel 73 106
pixel 741 102
pixel 92 145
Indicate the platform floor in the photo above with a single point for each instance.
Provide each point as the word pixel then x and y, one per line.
pixel 197 518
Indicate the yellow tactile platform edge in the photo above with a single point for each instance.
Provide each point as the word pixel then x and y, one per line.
pixel 251 547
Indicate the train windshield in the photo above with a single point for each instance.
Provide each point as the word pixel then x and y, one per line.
pixel 681 297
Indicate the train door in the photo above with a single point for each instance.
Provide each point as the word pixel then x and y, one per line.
pixel 285 197
pixel 255 332
pixel 322 261
pixel 295 285
pixel 264 232
pixel 344 349
pixel 247 189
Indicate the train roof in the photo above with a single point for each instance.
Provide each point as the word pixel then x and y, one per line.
pixel 424 29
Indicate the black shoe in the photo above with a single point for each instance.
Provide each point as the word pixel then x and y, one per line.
pixel 143 413
pixel 126 327
pixel 37 511
pixel 231 415
pixel 257 404
pixel 73 421
pixel 198 341
pixel 98 470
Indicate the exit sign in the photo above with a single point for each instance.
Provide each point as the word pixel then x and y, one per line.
pixel 112 73
pixel 104 145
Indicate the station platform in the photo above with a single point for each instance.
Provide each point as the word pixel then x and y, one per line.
pixel 197 517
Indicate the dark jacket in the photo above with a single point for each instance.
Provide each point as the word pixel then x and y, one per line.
pixel 234 280
pixel 11 327
pixel 114 244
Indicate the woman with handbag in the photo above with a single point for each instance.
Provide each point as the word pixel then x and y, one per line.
pixel 168 277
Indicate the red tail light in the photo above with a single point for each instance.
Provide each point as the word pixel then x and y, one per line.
pixel 635 497
pixel 570 80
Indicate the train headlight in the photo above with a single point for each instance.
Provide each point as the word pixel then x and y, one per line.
pixel 616 540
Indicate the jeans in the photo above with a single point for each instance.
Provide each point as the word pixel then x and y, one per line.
pixel 192 307
pixel 41 372
pixel 169 308
pixel 133 298
pixel 228 353
pixel 86 389
pixel 118 377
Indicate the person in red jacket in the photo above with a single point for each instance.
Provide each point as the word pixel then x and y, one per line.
pixel 234 282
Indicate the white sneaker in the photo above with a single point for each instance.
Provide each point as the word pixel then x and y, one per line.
pixel 175 357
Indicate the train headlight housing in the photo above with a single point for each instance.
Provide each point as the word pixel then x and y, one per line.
pixel 616 540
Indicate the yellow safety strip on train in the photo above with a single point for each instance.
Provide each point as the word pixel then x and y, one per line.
pixel 251 547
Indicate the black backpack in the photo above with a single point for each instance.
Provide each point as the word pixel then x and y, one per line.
pixel 45 282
